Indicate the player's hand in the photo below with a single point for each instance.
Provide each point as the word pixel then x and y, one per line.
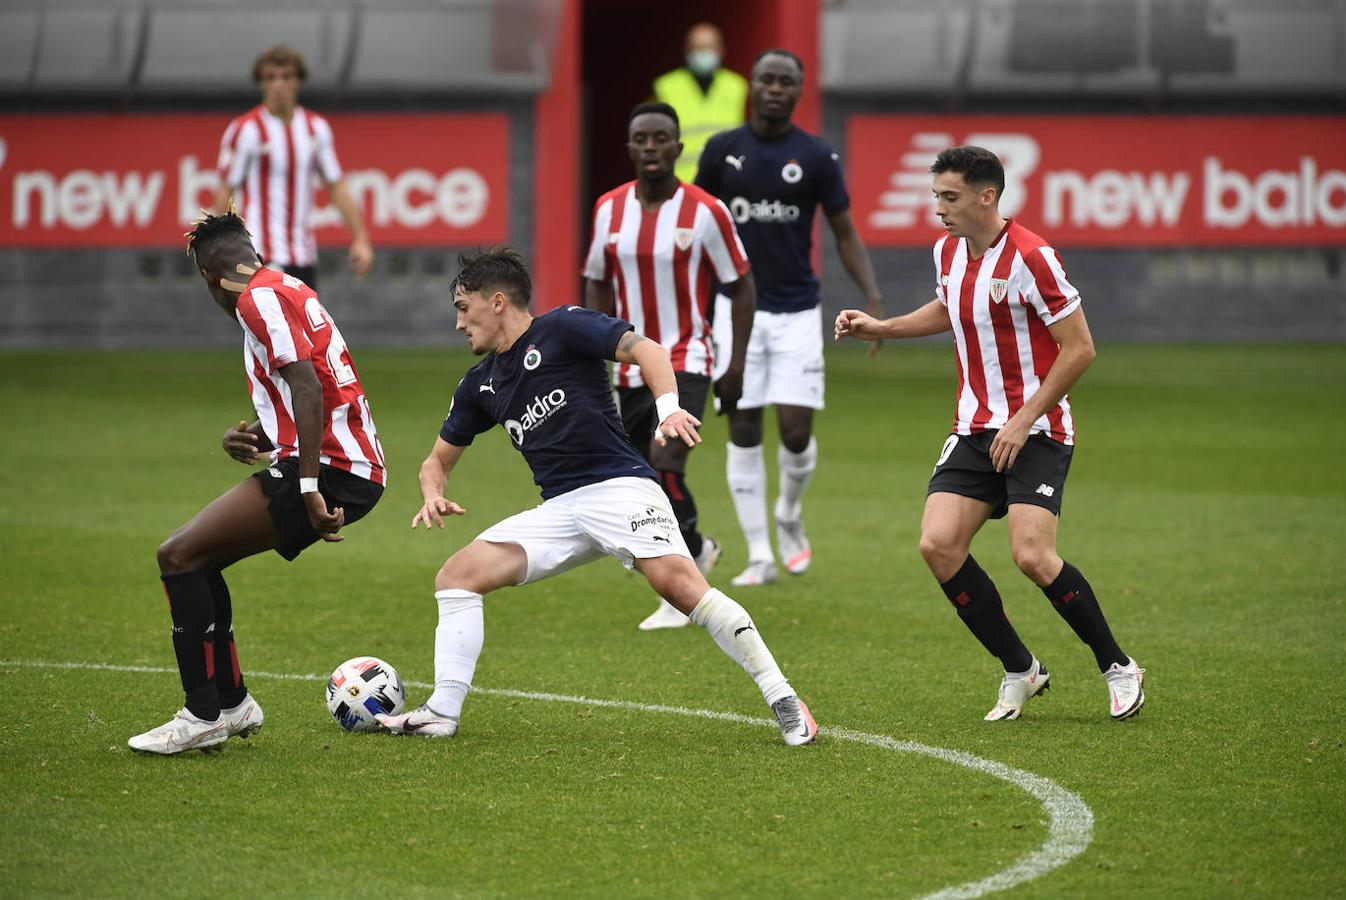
pixel 241 444
pixel 361 257
pixel 1008 441
pixel 729 390
pixel 875 310
pixel 856 324
pixel 435 510
pixel 326 523
pixel 680 426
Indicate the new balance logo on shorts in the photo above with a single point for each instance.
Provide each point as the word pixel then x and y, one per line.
pixel 1045 490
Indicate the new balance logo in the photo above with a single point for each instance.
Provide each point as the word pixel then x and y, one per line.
pixel 1045 490
pixel 736 161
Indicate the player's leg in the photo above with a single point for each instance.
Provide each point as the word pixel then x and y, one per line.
pixel 796 387
pixel 745 468
pixel 233 526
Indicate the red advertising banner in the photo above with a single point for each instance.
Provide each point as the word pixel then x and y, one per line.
pixel 138 180
pixel 1114 181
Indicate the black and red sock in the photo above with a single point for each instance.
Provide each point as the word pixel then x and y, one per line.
pixel 684 508
pixel 193 610
pixel 228 676
pixel 978 603
pixel 1073 598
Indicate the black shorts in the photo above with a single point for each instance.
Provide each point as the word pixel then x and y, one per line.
pixel 1038 475
pixel 639 415
pixel 306 274
pixel 280 483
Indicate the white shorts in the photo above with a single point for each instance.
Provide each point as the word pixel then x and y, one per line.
pixel 785 356
pixel 625 518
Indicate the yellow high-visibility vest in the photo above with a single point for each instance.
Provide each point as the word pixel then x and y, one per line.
pixel 702 113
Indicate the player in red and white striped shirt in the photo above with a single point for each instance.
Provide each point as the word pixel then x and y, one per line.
pixel 658 247
pixel 325 470
pixel 276 153
pixel 1022 341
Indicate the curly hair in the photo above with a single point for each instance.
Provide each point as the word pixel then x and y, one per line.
pixel 209 231
pixel 501 269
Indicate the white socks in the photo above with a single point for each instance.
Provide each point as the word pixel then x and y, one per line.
pixel 733 630
pixel 795 471
pixel 458 640
pixel 746 472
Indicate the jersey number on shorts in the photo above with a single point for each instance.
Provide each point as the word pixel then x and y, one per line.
pixel 337 357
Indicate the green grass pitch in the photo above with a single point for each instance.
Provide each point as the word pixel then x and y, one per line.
pixel 1207 504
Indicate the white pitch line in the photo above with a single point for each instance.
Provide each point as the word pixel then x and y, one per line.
pixel 1071 825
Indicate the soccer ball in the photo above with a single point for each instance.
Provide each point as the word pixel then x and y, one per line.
pixel 362 688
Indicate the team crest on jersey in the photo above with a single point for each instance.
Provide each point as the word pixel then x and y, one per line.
pixel 792 172
pixel 532 358
pixel 999 288
pixel 682 238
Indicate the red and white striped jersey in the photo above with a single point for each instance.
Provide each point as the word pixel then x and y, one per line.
pixel 661 265
pixel 277 166
pixel 1000 306
pixel 283 322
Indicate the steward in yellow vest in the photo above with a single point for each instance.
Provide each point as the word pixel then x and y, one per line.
pixel 708 98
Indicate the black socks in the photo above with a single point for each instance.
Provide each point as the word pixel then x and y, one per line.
pixel 684 508
pixel 193 609
pixel 974 596
pixel 1073 598
pixel 228 676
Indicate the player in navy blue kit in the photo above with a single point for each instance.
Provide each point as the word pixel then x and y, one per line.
pixel 772 175
pixel 545 381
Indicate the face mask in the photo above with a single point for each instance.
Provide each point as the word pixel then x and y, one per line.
pixel 703 62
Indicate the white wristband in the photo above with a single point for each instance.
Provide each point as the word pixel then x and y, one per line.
pixel 308 485
pixel 666 405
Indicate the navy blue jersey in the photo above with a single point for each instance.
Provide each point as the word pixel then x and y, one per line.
pixel 550 391
pixel 772 189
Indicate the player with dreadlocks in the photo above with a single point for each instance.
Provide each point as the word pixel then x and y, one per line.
pixel 324 469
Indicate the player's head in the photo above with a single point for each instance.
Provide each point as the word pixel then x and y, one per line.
pixel 652 140
pixel 279 71
pixel 967 186
pixel 777 81
pixel 704 49
pixel 218 244
pixel 492 287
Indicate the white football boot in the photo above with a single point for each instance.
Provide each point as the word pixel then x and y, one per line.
pixel 1016 690
pixel 796 724
pixel 244 720
pixel 710 552
pixel 795 551
pixel 181 733
pixel 666 616
pixel 422 721
pixel 1125 689
pixel 759 571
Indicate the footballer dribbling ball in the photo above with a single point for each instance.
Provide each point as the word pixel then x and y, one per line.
pixel 362 688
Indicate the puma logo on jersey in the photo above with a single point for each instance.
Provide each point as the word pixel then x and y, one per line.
pixel 486 388
pixel 736 161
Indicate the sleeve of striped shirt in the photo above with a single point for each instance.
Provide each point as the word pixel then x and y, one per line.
pixel 264 316
pixel 325 151
pixel 596 263
pixel 939 276
pixel 720 239
pixel 237 148
pixel 1048 291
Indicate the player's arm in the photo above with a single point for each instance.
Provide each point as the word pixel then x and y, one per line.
pixel 855 257
pixel 743 305
pixel 932 318
pixel 362 251
pixel 306 394
pixel 223 194
pixel 246 443
pixel 1077 352
pixel 599 295
pixel 434 475
pixel 657 370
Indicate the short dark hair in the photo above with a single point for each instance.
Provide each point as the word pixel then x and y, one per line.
pixel 497 269
pixel 283 56
pixel 779 51
pixel 659 109
pixel 977 165
pixel 211 231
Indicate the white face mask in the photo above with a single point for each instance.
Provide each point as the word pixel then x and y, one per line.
pixel 703 62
